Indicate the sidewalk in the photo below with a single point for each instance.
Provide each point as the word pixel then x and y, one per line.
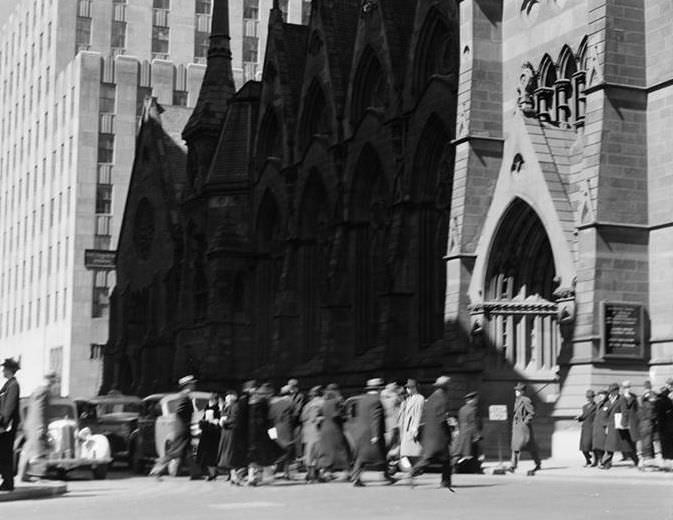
pixel 573 469
pixel 34 491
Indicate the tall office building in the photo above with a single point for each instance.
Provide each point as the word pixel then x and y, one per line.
pixel 73 77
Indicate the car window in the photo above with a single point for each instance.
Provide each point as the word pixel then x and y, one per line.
pixel 104 408
pixel 61 411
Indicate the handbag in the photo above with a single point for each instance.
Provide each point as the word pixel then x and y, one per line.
pixel 618 421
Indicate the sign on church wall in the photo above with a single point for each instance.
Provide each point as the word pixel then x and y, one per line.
pixel 622 330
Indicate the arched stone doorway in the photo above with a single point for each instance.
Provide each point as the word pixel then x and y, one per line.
pixel 519 311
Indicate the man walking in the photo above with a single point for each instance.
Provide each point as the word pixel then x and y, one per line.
pixel 9 422
pixel 410 421
pixel 33 463
pixel 370 445
pixel 436 432
pixel 180 449
pixel 523 437
pixel 469 435
pixel 587 429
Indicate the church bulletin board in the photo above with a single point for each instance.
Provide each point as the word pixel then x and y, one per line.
pixel 622 330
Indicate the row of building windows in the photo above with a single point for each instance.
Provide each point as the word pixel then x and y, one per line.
pixel 21 275
pixel 26 32
pixel 33 315
pixel 19 235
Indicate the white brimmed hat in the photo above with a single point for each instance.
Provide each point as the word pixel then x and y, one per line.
pixel 442 381
pixel 186 380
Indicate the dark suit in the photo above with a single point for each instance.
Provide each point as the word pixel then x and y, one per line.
pixel 435 436
pixel 522 430
pixel 9 422
pixel 180 447
pixel 586 436
pixel 370 424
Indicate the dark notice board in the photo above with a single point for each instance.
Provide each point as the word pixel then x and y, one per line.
pixel 623 329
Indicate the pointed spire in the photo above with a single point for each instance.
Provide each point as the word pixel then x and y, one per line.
pixel 276 14
pixel 218 82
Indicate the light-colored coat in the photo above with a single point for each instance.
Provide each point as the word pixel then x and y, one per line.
pixel 311 417
pixel 410 418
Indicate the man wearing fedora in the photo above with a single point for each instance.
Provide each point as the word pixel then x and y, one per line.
pixel 435 432
pixel 469 435
pixel 523 437
pixel 586 434
pixel 370 445
pixel 9 422
pixel 180 449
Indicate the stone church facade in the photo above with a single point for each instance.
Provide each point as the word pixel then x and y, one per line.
pixel 476 188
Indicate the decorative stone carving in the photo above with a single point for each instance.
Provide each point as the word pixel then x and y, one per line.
pixel 593 66
pixel 517 164
pixel 454 235
pixel 368 6
pixel 526 89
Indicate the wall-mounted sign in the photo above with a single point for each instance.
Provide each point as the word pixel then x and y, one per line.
pixel 622 330
pixel 99 259
pixel 497 412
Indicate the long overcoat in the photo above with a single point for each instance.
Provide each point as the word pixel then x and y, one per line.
pixel 587 429
pixel 207 452
pixel 281 413
pixel 333 452
pixel 435 430
pixel 613 440
pixel 628 406
pixel 600 426
pixel 9 422
pixel 665 423
pixel 230 442
pixel 36 431
pixel 369 424
pixel 311 417
pixel 469 430
pixel 261 449
pixel 522 428
pixel 410 420
pixel 182 435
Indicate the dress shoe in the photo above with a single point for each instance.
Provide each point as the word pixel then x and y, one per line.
pixel 358 483
pixel 7 486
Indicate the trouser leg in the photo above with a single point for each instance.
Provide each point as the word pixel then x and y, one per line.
pixel 515 459
pixel 446 472
pixel 598 454
pixel 357 470
pixel 607 459
pixel 587 457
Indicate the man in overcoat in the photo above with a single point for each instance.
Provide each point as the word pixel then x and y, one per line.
pixel 436 432
pixel 9 422
pixel 281 413
pixel 587 428
pixel 469 435
pixel 664 410
pixel 370 445
pixel 180 449
pixel 410 420
pixel 647 421
pixel 523 437
pixel 600 426
pixel 32 464
pixel 622 436
pixel 612 439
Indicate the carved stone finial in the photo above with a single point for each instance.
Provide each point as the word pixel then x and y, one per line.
pixel 368 6
pixel 526 89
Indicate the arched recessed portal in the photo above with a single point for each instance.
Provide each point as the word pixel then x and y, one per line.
pixel 519 307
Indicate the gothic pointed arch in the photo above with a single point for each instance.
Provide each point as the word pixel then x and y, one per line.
pixel 582 53
pixel 519 291
pixel 437 50
pixel 431 187
pixel 315 118
pixel 370 86
pixel 567 63
pixel 312 261
pixel 370 204
pixel 269 244
pixel 547 72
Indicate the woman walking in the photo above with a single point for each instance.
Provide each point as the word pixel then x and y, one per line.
pixel 206 454
pixel 332 450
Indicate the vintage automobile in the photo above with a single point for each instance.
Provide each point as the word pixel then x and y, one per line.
pixel 114 415
pixel 155 427
pixel 72 445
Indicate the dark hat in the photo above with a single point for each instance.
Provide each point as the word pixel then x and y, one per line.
pixel 612 388
pixel 411 383
pixel 589 393
pixel 520 386
pixel 376 383
pixel 647 385
pixel 471 395
pixel 11 364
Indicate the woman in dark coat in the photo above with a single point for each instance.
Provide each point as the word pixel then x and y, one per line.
pixel 600 426
pixel 234 450
pixel 206 454
pixel 586 435
pixel 333 452
pixel 228 422
pixel 262 451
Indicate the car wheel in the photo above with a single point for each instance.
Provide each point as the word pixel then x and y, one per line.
pixel 100 472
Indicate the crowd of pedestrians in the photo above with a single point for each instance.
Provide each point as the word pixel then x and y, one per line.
pixel 617 420
pixel 258 435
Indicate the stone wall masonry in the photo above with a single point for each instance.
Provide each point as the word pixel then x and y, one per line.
pixel 659 44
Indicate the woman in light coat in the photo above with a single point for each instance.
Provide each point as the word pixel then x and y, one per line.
pixel 311 418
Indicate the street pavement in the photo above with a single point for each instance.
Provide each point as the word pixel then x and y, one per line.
pixel 558 492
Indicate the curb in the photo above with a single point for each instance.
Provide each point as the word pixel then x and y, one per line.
pixel 28 492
